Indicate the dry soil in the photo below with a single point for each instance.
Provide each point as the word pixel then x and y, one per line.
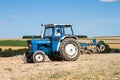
pixel 87 67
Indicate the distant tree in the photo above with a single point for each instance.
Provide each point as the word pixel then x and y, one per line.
pixel 7 53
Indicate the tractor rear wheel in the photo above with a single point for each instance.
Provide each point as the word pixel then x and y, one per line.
pixel 69 49
pixel 38 56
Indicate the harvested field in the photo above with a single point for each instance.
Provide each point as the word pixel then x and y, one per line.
pixel 114 45
pixel 112 41
pixel 12 47
pixel 4 39
pixel 87 67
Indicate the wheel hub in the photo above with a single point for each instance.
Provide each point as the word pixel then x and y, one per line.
pixel 39 57
pixel 70 49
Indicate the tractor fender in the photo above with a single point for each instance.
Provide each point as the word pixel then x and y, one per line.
pixel 62 38
pixel 60 41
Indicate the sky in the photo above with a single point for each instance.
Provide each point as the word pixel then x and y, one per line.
pixel 88 17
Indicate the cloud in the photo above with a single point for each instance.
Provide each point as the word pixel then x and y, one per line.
pixel 109 0
pixel 15 16
pixel 1 29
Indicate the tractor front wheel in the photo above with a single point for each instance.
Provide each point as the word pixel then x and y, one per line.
pixel 38 57
pixel 69 49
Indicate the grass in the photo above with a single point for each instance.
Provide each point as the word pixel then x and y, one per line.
pixel 115 72
pixel 59 75
pixel 13 43
pixel 56 75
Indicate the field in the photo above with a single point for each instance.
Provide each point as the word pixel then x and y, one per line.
pixel 112 41
pixel 13 44
pixel 87 67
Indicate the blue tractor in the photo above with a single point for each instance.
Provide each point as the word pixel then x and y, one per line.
pixel 58 43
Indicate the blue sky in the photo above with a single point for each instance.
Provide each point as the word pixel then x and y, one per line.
pixel 89 17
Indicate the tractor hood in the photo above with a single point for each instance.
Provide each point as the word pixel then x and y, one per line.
pixel 38 44
pixel 40 41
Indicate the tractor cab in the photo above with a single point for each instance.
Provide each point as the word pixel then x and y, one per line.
pixel 54 30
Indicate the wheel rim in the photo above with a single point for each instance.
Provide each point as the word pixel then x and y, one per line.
pixel 71 50
pixel 39 57
pixel 102 48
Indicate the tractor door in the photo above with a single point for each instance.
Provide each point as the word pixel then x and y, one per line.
pixel 48 33
pixel 58 32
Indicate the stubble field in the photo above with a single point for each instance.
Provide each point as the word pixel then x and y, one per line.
pixel 87 67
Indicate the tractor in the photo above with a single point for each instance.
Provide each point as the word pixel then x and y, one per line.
pixel 58 43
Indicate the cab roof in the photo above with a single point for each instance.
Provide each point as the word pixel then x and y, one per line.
pixel 58 25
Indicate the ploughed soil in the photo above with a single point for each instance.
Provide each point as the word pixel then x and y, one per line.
pixel 87 67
